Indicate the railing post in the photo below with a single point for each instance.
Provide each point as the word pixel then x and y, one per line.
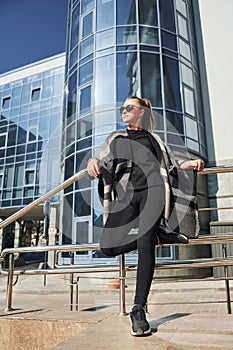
pixel 10 283
pixel 122 275
pixel 224 250
pixel 72 283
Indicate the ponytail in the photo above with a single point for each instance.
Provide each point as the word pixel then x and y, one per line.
pixel 148 122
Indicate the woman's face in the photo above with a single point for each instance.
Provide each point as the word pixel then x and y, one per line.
pixel 133 114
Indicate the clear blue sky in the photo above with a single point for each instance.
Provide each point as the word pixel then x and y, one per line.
pixel 31 30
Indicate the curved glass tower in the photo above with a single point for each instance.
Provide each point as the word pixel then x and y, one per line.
pixel 116 49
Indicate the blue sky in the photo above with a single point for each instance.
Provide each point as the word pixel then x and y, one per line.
pixel 31 30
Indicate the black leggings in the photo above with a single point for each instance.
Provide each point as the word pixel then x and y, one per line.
pixel 133 224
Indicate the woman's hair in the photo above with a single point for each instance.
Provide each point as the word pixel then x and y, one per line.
pixel 148 122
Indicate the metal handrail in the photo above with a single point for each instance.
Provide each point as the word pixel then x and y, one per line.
pixel 41 199
pixel 78 176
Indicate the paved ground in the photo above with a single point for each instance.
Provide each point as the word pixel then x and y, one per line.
pixel 182 315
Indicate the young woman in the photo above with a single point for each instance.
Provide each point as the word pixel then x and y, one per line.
pixel 134 168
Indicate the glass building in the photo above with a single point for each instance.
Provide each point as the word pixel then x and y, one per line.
pixel 31 100
pixel 116 49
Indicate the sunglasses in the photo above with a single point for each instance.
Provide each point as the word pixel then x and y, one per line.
pixel 128 108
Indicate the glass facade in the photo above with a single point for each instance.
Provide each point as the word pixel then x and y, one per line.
pixel 116 49
pixel 30 132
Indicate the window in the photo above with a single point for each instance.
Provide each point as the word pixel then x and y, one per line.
pixel 181 7
pixel 104 80
pixel 35 96
pixel 126 35
pixel 3 140
pixel 187 75
pixel 151 78
pixel 75 27
pixel 189 101
pixel 84 127
pixel 6 102
pixel 87 47
pixel 175 122
pixel 85 99
pixel 183 28
pixel 185 49
pixel 86 73
pixel 171 83
pixel 1 179
pixel 81 234
pixel 148 17
pixel 8 179
pixel 105 14
pixel 87 5
pixel 126 12
pixel 105 39
pixel 87 24
pixel 191 128
pixel 18 176
pixel 167 16
pixel 149 36
pixel 82 202
pixel 32 133
pixel 29 176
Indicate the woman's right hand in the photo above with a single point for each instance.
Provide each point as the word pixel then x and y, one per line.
pixel 93 167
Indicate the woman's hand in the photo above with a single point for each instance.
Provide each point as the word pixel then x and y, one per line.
pixel 197 164
pixel 93 167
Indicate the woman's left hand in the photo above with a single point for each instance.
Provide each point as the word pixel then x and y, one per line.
pixel 196 164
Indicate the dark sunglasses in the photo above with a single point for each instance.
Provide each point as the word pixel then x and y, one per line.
pixel 128 108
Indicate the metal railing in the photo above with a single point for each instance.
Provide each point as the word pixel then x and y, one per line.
pixel 74 248
pixel 65 270
pixel 42 199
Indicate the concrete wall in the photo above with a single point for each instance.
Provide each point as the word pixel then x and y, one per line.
pixel 217 29
pixel 216 54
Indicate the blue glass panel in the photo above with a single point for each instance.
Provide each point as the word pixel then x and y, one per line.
pixel 87 47
pixel 125 75
pixel 12 135
pixel 16 97
pixel 85 99
pixel 151 78
pixel 84 127
pixel 87 24
pixel 104 86
pixel 75 27
pixel 105 39
pixel 127 35
pixel 26 94
pixel 159 120
pixel 126 12
pixel 167 15
pixel 105 14
pixel 87 5
pixel 148 12
pixel 86 73
pixel 84 143
pixel 47 88
pixel 149 36
pixel 74 57
pixel 72 97
pixel 169 40
pixel 171 84
pixel 175 122
pixel 82 204
pixel 43 127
